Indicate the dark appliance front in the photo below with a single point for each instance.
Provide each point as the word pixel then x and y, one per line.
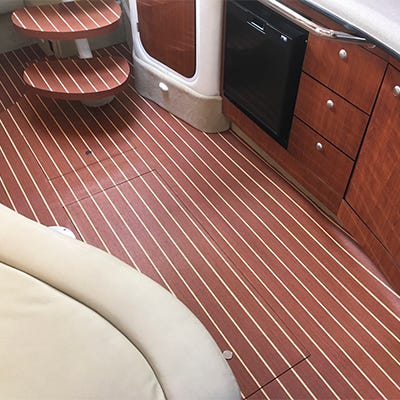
pixel 263 60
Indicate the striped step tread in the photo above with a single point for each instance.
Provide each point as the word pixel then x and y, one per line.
pixel 78 79
pixel 70 20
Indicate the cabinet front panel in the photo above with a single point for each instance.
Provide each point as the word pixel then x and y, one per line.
pixel 330 115
pixel 374 191
pixel 167 32
pixel 320 157
pixel 370 244
pixel 347 69
pixel 296 169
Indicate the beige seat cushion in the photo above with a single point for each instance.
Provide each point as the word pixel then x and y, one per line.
pixel 54 346
pixel 113 297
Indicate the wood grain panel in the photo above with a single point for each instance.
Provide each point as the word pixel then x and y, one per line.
pixel 357 78
pixel 374 189
pixel 331 165
pixel 297 170
pixel 167 32
pixel 370 244
pixel 343 124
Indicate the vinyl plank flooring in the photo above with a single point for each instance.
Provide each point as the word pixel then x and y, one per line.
pixel 305 312
pixel 154 233
pixel 12 65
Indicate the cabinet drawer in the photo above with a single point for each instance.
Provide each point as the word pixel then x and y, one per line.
pixel 330 115
pixel 323 159
pixel 347 69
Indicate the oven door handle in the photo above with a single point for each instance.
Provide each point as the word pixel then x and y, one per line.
pixel 311 26
pixel 257 24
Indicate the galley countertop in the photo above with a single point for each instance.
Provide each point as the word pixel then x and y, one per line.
pixel 378 20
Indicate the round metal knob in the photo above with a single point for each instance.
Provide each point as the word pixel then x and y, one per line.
pixel 330 104
pixel 396 91
pixel 319 146
pixel 343 54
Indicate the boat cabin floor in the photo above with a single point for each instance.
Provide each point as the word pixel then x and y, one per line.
pixel 305 313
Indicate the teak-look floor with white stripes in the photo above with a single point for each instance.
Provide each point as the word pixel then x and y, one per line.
pixel 303 310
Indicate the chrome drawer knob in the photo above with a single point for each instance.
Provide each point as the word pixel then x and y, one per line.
pixel 396 91
pixel 343 54
pixel 319 146
pixel 330 104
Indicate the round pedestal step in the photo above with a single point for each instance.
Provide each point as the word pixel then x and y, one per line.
pixel 78 79
pixel 71 20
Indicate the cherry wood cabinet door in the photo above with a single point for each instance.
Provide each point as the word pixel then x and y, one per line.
pixel 347 69
pixel 321 158
pixel 167 31
pixel 330 115
pixel 374 191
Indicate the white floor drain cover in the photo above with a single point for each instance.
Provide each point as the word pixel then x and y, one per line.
pixel 63 230
pixel 227 354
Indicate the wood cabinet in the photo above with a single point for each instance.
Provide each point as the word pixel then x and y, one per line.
pixel 338 88
pixel 324 111
pixel 335 97
pixel 344 145
pixel 167 32
pixel 347 69
pixel 314 151
pixel 376 251
pixel 374 190
pixel 290 165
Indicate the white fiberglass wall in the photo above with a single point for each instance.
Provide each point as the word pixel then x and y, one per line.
pixel 206 80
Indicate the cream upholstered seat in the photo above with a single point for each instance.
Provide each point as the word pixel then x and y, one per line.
pixel 77 323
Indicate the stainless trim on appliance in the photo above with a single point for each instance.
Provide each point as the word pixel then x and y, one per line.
pixel 311 26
